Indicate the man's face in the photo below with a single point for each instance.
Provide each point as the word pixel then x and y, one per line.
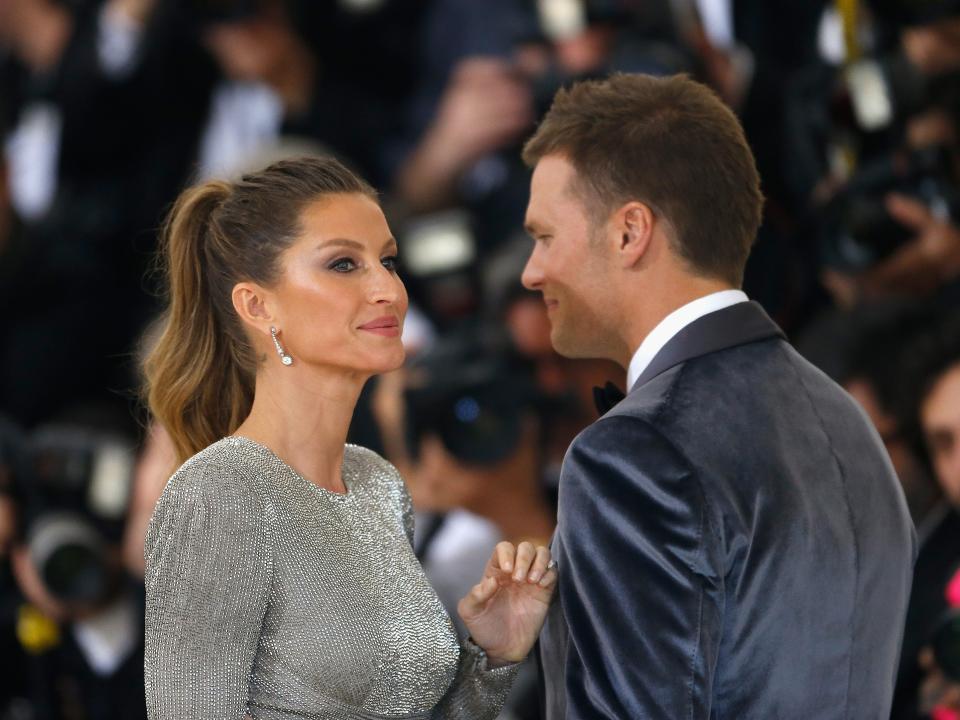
pixel 571 264
pixel 940 418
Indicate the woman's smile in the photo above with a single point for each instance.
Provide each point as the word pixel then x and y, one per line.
pixel 388 326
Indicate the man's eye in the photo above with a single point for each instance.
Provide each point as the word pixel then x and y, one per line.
pixel 390 263
pixel 343 265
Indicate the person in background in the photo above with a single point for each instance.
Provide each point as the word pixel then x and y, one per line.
pixel 932 383
pixel 77 616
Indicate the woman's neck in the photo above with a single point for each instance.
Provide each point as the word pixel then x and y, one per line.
pixel 303 415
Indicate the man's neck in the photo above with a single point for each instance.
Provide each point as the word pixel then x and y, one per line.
pixel 661 302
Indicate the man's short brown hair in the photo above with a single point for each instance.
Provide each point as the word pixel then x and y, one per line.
pixel 670 143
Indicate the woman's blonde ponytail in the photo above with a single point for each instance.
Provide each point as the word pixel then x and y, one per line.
pixel 194 389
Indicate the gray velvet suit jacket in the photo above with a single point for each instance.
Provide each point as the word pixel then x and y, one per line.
pixel 732 543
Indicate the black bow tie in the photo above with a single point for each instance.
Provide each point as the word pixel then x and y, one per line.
pixel 606 397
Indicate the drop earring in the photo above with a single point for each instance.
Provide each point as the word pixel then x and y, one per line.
pixel 284 358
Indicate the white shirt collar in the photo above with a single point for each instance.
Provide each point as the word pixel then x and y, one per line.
pixel 674 323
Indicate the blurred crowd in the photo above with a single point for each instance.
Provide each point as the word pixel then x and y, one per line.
pixel 108 108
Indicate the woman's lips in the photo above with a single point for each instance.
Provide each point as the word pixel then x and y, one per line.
pixel 388 326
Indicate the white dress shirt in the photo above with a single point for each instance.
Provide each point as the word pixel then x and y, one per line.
pixel 674 323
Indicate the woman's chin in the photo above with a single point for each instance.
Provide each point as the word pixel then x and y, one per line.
pixel 388 362
pixel 396 362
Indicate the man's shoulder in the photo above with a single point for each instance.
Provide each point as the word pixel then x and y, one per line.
pixel 638 422
pixel 628 442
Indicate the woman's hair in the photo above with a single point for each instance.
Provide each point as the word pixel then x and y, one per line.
pixel 199 375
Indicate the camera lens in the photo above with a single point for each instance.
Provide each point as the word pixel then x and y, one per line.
pixel 75 573
pixel 479 431
pixel 70 557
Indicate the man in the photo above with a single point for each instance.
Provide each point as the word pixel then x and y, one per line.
pixel 732 539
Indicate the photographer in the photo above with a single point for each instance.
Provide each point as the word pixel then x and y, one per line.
pixel 924 264
pixel 329 72
pixel 78 618
pixel 489 70
pixel 99 124
pixel 931 387
pixel 873 154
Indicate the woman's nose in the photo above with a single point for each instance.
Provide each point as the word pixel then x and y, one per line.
pixel 386 287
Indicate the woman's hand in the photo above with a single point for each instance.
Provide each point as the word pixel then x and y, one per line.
pixel 506 609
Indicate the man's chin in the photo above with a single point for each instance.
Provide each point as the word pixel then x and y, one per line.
pixel 569 345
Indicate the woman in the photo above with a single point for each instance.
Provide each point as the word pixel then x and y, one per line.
pixel 279 572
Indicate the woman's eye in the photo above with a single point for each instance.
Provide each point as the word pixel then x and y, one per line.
pixel 343 265
pixel 390 263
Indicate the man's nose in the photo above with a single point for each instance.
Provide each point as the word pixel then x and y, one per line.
pixel 532 277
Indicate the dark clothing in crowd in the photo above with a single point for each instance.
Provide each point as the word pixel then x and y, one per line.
pixel 938 561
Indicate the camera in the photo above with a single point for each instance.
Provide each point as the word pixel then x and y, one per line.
pixel 470 394
pixel 72 487
pixel 857 231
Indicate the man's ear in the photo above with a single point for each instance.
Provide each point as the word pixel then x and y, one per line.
pixel 253 304
pixel 634 225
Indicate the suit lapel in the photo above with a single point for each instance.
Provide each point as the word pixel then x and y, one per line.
pixel 738 324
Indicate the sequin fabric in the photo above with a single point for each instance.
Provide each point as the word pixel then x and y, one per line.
pixel 270 596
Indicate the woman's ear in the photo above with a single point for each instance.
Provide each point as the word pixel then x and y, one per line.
pixel 253 304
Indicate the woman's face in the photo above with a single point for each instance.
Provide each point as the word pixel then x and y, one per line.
pixel 339 302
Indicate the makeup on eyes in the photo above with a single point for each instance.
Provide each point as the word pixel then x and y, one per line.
pixel 390 262
pixel 389 246
pixel 336 263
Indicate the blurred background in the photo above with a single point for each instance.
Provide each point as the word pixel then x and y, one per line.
pixel 108 108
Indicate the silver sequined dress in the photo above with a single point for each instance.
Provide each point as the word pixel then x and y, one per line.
pixel 270 596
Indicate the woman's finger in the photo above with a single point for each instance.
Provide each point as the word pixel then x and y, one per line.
pixel 549 577
pixel 484 590
pixel 504 555
pixel 539 566
pixel 478 596
pixel 526 553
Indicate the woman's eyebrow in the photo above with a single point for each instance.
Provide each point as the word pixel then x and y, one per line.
pixel 344 242
pixel 355 244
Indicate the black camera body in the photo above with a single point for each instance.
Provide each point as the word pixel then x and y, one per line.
pixel 471 395
pixel 857 231
pixel 72 488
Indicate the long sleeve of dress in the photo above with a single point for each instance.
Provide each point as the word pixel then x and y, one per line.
pixel 477 692
pixel 208 577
